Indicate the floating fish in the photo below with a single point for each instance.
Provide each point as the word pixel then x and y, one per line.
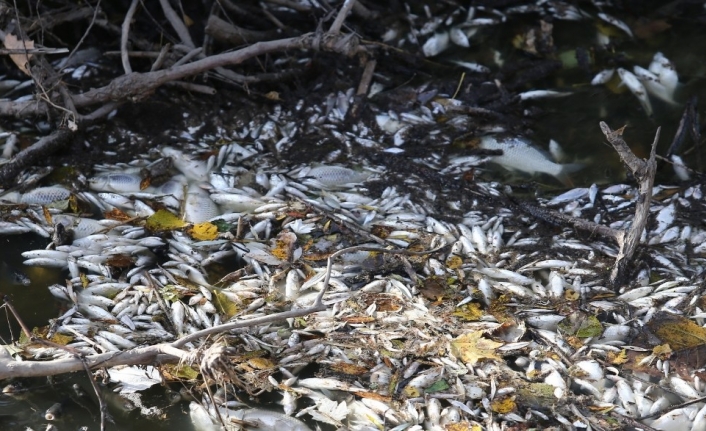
pixel 636 87
pixel 520 154
pixel 12 276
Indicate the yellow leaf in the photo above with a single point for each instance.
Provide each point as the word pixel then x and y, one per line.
pixel 503 405
pixel 663 351
pixel 454 262
pixel 47 215
pixel 224 305
pixel 261 363
pixel 163 220
pixel 678 331
pixel 21 60
pixel 471 312
pixel 205 231
pixel 462 426
pixel 472 347
pixel 179 372
pixel 412 391
pixel 618 358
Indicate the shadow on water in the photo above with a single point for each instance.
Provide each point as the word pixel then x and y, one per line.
pixel 33 302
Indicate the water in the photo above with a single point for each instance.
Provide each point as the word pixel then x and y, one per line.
pixel 573 120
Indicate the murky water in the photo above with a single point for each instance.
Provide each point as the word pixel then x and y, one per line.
pixel 573 120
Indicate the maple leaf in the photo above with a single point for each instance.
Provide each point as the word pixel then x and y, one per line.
pixel 472 347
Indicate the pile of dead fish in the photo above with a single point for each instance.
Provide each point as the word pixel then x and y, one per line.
pixel 509 322
pixel 499 327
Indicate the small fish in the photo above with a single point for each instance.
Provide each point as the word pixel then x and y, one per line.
pixel 520 154
pixel 54 412
pixel 12 276
pixel 116 182
pixel 636 87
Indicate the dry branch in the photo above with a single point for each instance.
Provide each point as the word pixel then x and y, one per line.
pixel 644 172
pixel 226 32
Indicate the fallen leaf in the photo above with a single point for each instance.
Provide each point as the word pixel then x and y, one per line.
pixel 471 312
pixel 618 358
pixel 472 347
pixel 163 220
pixel 678 331
pixel 205 231
pixel 503 405
pixel 21 60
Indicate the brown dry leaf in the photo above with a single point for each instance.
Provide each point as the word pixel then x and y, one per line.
pixel 472 347
pixel 116 214
pixel 351 369
pixel 47 215
pixel 21 60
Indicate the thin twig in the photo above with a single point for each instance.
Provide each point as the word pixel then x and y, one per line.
pixel 161 58
pixel 85 33
pixel 124 35
pixel 177 24
pixel 341 17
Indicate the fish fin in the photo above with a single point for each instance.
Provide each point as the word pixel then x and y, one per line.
pixel 567 169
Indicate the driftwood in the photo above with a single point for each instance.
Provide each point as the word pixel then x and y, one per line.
pixel 644 172
pixel 56 101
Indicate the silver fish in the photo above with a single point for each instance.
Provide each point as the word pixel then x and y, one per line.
pixel 520 154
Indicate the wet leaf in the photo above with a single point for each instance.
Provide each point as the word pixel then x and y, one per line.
pixel 503 405
pixel 169 293
pixel 179 372
pixel 454 262
pixel 412 391
pixel 663 351
pixel 224 305
pixel 205 231
pixel 84 280
pixel 21 60
pixel 47 215
pixel 590 327
pixel 463 426
pixel 350 369
pixel 145 183
pixel 284 246
pixel 470 312
pixel 472 347
pixel 438 386
pixel 678 331
pixel 61 339
pixel 163 220
pixel 261 364
pixel 618 358
pixel 116 214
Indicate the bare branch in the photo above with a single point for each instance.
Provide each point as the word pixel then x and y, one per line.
pixel 124 36
pixel 644 172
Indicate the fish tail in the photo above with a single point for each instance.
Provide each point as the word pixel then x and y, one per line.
pixel 566 170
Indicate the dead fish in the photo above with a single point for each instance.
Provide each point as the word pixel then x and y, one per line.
pixel 520 154
pixel 54 412
pixel 14 277
pixel 116 182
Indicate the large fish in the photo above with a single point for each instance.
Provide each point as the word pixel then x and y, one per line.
pixel 521 155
